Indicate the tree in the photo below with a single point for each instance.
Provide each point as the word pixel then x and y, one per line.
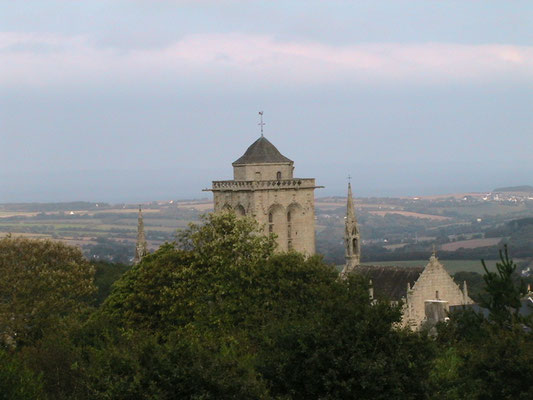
pixel 42 282
pixel 345 347
pixel 16 381
pixel 209 266
pixel 255 320
pixel 487 358
pixel 105 275
pixel 503 297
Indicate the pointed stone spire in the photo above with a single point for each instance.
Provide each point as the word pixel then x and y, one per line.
pixel 351 236
pixel 350 208
pixel 141 248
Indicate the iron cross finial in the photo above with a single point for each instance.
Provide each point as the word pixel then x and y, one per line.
pixel 349 178
pixel 261 124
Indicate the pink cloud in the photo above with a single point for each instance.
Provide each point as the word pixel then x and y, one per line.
pixel 35 59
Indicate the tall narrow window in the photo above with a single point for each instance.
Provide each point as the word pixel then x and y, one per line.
pixel 289 230
pixel 278 176
pixel 270 223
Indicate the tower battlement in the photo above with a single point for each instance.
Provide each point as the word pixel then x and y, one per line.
pixel 296 183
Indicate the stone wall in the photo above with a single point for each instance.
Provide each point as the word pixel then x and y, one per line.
pixel 286 210
pixel 259 172
pixel 433 284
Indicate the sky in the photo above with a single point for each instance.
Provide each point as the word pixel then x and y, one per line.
pixel 129 101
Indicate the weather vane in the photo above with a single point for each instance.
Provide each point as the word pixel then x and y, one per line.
pixel 261 124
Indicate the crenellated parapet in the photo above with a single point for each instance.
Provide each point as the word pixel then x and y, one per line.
pixel 296 183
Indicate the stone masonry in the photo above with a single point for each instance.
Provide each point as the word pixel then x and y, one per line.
pixel 433 284
pixel 426 293
pixel 264 188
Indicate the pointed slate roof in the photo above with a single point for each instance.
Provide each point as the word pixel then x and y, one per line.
pixel 262 152
pixel 390 282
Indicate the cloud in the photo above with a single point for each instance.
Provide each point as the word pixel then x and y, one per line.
pixel 32 59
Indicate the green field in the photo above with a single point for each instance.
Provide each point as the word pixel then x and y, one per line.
pixel 452 266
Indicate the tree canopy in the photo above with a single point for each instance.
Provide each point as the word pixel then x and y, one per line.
pixel 42 282
pixel 286 322
pixel 219 314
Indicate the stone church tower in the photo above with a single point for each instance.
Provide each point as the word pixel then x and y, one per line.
pixel 263 187
pixel 351 236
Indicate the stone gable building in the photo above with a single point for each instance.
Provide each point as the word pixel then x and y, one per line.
pixel 434 289
pixel 264 188
pixel 426 293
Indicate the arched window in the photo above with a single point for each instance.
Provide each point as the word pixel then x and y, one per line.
pixel 278 176
pixel 354 244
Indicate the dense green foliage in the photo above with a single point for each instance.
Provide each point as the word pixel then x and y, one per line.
pixel 42 283
pixel 219 315
pixel 17 382
pixel 288 323
pixel 488 358
pixel 105 275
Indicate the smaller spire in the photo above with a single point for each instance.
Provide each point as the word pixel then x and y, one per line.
pixel 350 208
pixel 141 247
pixel 351 236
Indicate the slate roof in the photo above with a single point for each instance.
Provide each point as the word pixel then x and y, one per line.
pixel 262 152
pixel 390 282
pixel 526 307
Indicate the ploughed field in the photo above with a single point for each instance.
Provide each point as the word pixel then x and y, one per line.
pixel 76 225
pixel 452 223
